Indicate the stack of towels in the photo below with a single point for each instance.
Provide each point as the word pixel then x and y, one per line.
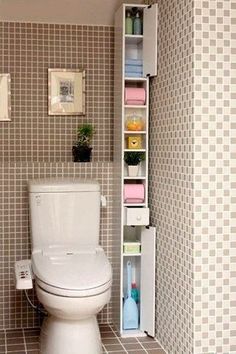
pixel 133 68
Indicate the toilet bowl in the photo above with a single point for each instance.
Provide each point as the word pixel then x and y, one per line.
pixel 73 288
pixel 72 273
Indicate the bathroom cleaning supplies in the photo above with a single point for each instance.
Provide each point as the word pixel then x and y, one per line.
pixel 135 293
pixel 130 315
pixel 128 23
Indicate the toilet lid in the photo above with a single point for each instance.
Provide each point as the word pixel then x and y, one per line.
pixel 76 272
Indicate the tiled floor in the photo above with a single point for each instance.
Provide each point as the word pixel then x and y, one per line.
pixel 26 341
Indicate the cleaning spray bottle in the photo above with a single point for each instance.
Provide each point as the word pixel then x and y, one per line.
pixel 135 293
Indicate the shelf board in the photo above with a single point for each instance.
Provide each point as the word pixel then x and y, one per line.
pixel 137 150
pixel 135 132
pixel 132 333
pixel 137 177
pixel 133 38
pixel 131 254
pixel 136 106
pixel 134 204
pixel 142 79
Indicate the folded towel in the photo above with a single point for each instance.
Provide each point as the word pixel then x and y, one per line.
pixel 128 74
pixel 137 62
pixel 133 69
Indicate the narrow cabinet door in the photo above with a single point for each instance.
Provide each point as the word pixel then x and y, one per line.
pixel 150 14
pixel 147 294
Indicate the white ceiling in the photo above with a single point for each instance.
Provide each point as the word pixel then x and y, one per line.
pixel 94 12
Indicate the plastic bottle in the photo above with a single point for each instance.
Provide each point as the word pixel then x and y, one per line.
pixel 128 23
pixel 137 24
pixel 135 293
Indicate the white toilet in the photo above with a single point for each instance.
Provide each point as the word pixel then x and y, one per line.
pixel 72 273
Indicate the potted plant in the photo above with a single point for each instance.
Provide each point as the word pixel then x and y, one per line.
pixel 133 159
pixel 81 149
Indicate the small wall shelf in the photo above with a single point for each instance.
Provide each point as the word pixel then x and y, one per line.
pixel 136 107
pixel 136 132
pixel 133 220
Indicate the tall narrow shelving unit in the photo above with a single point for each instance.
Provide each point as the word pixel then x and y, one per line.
pixel 132 218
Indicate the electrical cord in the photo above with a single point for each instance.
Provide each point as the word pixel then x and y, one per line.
pixel 38 309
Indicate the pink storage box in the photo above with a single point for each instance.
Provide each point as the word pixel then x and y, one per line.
pixel 134 193
pixel 135 96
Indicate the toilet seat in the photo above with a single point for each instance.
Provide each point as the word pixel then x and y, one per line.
pixel 72 274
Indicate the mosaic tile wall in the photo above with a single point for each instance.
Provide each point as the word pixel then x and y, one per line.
pixel 214 177
pixel 35 145
pixel 14 229
pixel 192 186
pixel 27 51
pixel 171 175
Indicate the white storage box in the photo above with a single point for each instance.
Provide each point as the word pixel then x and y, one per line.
pixel 136 216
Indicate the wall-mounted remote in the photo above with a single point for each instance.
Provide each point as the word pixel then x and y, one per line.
pixel 23 275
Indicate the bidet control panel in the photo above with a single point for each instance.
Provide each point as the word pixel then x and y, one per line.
pixel 23 275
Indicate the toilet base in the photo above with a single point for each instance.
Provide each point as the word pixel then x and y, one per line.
pixel 70 337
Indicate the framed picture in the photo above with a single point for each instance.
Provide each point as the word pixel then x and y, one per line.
pixel 5 97
pixel 66 92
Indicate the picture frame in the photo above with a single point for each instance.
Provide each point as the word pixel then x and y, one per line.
pixel 5 97
pixel 66 92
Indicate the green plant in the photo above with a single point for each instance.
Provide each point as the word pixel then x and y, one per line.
pixel 133 158
pixel 84 135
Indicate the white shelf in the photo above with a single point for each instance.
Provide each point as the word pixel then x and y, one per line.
pixel 132 254
pixel 135 106
pixel 137 177
pixel 140 47
pixel 142 79
pixel 134 204
pixel 133 38
pixel 132 333
pixel 135 132
pixel 137 150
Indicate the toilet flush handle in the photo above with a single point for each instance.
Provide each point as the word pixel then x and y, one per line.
pixel 103 201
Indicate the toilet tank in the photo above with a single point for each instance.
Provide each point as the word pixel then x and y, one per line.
pixel 64 212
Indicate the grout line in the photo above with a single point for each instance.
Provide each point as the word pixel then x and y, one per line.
pixel 142 346
pixel 24 341
pixel 5 338
pixel 118 340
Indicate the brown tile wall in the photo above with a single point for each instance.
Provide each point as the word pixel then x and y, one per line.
pixel 36 145
pixel 14 229
pixel 27 51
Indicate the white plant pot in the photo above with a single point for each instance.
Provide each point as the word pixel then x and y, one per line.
pixel 133 171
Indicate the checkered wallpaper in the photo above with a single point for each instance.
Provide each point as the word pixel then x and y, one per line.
pixel 192 176
pixel 214 177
